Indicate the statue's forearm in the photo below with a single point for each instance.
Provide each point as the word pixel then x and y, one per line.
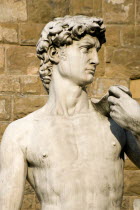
pixel 132 148
pixel 137 136
pixel 134 127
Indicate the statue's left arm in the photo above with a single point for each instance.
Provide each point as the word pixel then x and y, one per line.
pixel 125 111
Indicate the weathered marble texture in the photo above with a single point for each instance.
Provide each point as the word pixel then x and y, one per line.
pixel 72 149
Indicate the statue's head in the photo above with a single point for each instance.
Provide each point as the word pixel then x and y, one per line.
pixel 61 35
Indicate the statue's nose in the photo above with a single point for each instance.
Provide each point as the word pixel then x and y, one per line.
pixel 94 59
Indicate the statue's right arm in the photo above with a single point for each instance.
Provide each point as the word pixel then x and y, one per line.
pixel 13 169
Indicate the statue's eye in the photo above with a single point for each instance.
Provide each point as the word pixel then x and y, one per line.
pixel 98 48
pixel 85 48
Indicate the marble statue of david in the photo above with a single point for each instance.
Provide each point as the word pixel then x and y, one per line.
pixel 71 150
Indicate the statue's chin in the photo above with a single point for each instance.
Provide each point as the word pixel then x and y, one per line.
pixel 87 82
pixel 89 79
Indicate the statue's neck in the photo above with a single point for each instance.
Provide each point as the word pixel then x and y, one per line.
pixel 67 98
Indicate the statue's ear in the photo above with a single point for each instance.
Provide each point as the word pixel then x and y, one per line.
pixel 53 54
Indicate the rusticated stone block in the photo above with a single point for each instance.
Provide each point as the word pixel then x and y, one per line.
pixel 109 54
pixel 31 85
pixel 128 35
pixel 43 91
pixel 135 88
pixel 2 60
pixel 122 63
pixel 28 189
pixel 3 126
pixel 113 36
pixel 129 165
pixel 37 204
pixel 86 7
pixel 27 104
pixel 5 108
pixel 13 10
pixel 8 33
pixel 22 60
pixel 138 11
pixel 119 11
pixel 101 85
pixel 9 84
pixel 28 202
pixel 1 34
pixel 97 8
pixel 27 35
pixel 137 35
pixel 132 182
pixel 125 203
pixel 44 11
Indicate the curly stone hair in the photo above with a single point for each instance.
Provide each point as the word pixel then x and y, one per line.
pixel 62 31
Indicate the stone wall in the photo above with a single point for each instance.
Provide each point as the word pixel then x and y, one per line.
pixel 21 91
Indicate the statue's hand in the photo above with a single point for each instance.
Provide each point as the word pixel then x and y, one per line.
pixel 124 110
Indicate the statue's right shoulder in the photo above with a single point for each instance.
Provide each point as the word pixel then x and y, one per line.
pixel 16 129
pixel 22 129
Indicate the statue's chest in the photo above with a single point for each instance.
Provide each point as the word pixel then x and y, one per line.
pixel 59 142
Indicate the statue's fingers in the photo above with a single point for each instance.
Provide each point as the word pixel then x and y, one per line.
pixel 116 91
pixel 112 100
pixel 125 89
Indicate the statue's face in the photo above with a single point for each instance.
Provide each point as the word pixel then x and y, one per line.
pixel 78 61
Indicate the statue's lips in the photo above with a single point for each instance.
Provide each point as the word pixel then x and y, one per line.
pixel 46 79
pixel 91 71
